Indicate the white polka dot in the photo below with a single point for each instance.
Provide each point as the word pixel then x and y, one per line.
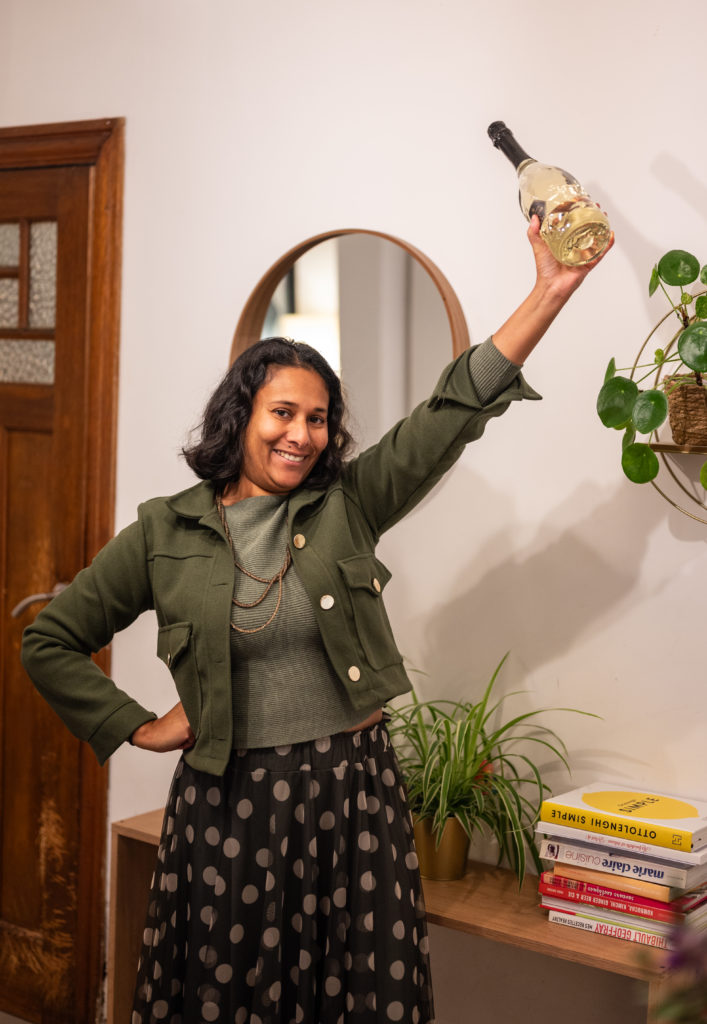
pixel 212 836
pixel 362 801
pixel 160 1009
pixel 364 841
pixel 314 789
pixel 368 882
pixel 223 973
pixel 209 1011
pixel 231 847
pixel 397 970
pixel 189 833
pixel 210 875
pixel 371 766
pixel 309 903
pixel 327 820
pixel 171 882
pixel 388 777
pixel 395 1011
pixel 264 858
pixel 332 986
pixel 339 897
pixel 298 868
pixel 281 790
pixel 313 847
pixel 271 937
pixel 283 750
pixel 236 933
pixel 424 945
pixel 373 805
pixel 219 886
pixel 297 922
pixel 213 795
pixel 299 813
pixel 190 794
pixel 275 991
pixel 208 915
pixel 411 860
pixel 323 744
pixel 398 891
pixel 241 1015
pixel 304 959
pixel 368 921
pixel 390 814
pixel 250 894
pixel 283 846
pixel 258 774
pixel 269 881
pixel 399 930
pixel 208 956
pixel 244 808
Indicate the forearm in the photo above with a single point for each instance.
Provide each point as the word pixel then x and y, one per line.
pixel 524 328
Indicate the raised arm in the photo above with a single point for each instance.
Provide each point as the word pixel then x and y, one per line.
pixel 554 284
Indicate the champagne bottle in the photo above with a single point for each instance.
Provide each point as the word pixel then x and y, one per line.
pixel 574 227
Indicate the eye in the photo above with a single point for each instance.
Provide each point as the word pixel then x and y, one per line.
pixel 319 420
pixel 282 413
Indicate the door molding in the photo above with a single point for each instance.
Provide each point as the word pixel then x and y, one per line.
pixel 98 145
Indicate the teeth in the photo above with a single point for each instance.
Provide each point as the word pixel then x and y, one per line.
pixel 291 457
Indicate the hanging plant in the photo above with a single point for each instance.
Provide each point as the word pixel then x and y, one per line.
pixel 623 405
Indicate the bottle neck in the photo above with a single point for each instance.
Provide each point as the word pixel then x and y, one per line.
pixel 504 140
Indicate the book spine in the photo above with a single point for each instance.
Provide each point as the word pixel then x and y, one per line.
pixel 613 824
pixel 625 884
pixel 614 864
pixel 579 835
pixel 613 930
pixel 595 896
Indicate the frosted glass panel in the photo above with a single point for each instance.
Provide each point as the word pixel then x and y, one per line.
pixel 9 302
pixel 9 245
pixel 26 362
pixel 42 274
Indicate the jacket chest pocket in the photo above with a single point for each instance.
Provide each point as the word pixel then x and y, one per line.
pixel 365 577
pixel 175 647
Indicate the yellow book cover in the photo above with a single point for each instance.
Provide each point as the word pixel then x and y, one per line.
pixel 609 809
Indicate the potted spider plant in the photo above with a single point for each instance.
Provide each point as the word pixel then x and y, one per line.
pixel 678 367
pixel 467 771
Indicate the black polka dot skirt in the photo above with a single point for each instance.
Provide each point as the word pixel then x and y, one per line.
pixel 288 891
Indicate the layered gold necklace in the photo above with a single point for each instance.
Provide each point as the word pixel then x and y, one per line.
pixel 269 583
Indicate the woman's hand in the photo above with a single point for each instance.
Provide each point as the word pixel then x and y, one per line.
pixel 554 284
pixel 170 732
pixel 558 278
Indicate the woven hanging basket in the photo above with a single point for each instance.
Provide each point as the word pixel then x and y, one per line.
pixel 687 409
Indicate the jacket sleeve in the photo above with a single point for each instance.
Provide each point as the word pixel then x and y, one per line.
pixel 392 476
pixel 104 598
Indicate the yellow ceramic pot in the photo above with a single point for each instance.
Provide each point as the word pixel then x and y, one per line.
pixel 447 861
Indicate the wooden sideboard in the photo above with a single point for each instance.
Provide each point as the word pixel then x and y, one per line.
pixel 486 902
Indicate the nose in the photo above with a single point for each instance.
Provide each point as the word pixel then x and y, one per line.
pixel 298 432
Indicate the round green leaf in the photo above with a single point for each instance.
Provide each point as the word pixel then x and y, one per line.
pixel 703 476
pixel 616 400
pixel 701 307
pixel 640 463
pixel 659 356
pixel 678 267
pixel 629 437
pixel 654 281
pixel 650 411
pixel 692 346
pixel 703 274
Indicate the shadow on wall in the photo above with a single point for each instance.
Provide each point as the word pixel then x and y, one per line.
pixel 538 600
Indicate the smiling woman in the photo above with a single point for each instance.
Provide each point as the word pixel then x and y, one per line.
pixel 287 884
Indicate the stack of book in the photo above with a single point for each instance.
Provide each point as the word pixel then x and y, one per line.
pixel 626 864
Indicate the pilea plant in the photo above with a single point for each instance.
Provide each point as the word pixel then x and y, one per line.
pixel 623 405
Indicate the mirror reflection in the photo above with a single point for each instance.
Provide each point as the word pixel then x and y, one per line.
pixel 376 315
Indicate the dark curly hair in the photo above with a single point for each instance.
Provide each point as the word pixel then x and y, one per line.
pixel 218 454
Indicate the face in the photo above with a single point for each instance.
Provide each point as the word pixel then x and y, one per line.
pixel 286 433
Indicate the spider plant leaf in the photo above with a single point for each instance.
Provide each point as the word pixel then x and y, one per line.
pixel 616 400
pixel 639 463
pixel 650 410
pixel 678 267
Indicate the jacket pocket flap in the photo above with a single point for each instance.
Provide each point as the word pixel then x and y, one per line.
pixel 172 641
pixel 364 571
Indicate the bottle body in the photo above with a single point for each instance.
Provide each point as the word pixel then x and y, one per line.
pixel 575 229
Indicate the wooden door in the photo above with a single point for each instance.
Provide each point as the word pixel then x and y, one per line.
pixel 59 264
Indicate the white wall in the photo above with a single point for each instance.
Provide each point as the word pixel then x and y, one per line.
pixel 251 126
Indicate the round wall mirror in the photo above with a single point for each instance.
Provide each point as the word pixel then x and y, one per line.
pixel 378 309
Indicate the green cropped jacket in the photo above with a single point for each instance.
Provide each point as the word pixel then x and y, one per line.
pixel 176 560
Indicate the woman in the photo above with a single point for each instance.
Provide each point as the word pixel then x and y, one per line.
pixel 286 886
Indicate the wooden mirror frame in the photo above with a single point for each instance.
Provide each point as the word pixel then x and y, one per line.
pixel 250 325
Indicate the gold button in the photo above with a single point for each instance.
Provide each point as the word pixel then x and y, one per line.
pixel 299 540
pixel 326 601
pixel 376 585
pixel 354 673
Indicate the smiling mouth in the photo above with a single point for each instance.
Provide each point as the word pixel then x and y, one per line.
pixel 289 456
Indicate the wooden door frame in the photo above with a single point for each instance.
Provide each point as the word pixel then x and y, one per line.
pixel 100 146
